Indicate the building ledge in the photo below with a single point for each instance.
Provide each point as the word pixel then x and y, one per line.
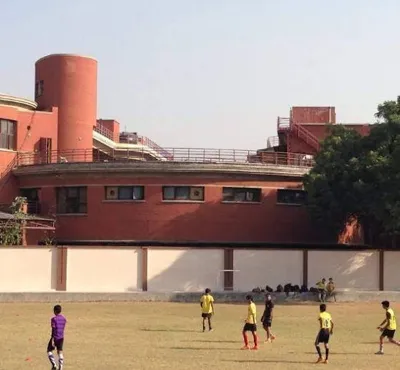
pixel 250 169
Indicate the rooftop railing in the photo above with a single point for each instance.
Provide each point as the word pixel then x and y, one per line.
pixel 180 155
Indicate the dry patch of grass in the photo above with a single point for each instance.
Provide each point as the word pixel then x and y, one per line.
pixel 136 336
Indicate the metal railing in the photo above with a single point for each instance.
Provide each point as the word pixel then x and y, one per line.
pixel 181 155
pixel 104 131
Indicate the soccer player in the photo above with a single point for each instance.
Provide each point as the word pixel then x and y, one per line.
pixel 389 329
pixel 58 323
pixel 207 309
pixel 250 324
pixel 325 330
pixel 266 318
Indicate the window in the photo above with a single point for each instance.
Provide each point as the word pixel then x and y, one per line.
pixel 39 88
pixel 32 197
pixel 124 192
pixel 72 199
pixel 292 197
pixel 188 193
pixel 241 195
pixel 7 134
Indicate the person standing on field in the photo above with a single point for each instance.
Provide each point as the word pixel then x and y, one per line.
pixel 387 327
pixel 207 309
pixel 58 323
pixel 325 331
pixel 267 316
pixel 250 324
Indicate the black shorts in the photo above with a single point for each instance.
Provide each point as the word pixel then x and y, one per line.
pixel 206 315
pixel 250 327
pixel 267 323
pixel 323 336
pixel 388 333
pixel 58 344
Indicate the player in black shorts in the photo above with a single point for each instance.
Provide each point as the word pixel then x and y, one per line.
pixel 266 318
pixel 325 331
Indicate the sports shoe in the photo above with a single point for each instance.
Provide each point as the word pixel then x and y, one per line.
pixel 268 341
pixel 211 330
pixel 273 337
pixel 245 347
pixel 255 348
pixel 379 353
pixel 326 362
pixel 319 360
pixel 53 368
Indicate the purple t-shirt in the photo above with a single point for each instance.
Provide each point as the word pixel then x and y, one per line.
pixel 58 323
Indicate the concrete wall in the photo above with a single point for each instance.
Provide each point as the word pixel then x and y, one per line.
pixel 350 270
pixel 27 270
pixel 391 269
pixel 185 270
pixel 103 270
pixel 266 267
pixel 171 269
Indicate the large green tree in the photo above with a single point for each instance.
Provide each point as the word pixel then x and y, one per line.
pixel 359 177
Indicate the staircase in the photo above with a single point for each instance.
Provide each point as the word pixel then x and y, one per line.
pixel 305 135
pixel 287 125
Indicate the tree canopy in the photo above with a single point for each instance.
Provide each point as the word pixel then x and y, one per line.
pixel 358 178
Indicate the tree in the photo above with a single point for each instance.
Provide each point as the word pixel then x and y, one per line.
pixel 358 178
pixel 11 230
pixel 332 184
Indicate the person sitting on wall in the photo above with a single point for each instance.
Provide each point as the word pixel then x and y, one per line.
pixel 321 286
pixel 330 288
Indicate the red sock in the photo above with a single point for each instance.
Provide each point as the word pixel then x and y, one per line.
pixel 246 341
pixel 255 339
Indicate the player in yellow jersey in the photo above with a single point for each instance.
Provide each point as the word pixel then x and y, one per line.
pixel 207 309
pixel 387 327
pixel 250 324
pixel 325 331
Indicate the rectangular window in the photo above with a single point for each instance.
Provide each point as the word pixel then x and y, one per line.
pixel 32 197
pixel 124 192
pixel 39 86
pixel 7 134
pixel 72 199
pixel 241 195
pixel 295 197
pixel 185 193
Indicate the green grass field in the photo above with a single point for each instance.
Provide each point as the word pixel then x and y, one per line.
pixel 168 336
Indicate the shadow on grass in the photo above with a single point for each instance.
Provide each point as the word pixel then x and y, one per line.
pixel 203 348
pixel 171 330
pixel 216 341
pixel 271 361
pixel 331 353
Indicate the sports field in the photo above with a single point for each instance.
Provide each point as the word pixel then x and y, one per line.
pixel 135 336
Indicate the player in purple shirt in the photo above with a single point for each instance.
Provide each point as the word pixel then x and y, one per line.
pixel 58 323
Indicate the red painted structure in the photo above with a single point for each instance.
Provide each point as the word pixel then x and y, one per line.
pixel 103 184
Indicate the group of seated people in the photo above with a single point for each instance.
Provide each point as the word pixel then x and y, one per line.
pixel 324 289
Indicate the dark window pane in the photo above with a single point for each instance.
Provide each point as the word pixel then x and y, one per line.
pixel 168 193
pixel 291 196
pixel 138 193
pixel 182 193
pixel 125 193
pixel 241 195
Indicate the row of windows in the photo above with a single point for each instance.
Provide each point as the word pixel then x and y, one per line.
pixel 74 199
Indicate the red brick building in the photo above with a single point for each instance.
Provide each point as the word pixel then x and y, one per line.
pixel 103 184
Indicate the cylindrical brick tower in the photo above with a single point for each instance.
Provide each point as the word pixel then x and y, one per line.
pixel 69 82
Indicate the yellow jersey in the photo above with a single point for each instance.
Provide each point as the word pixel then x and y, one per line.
pixel 391 319
pixel 251 314
pixel 206 303
pixel 321 285
pixel 326 320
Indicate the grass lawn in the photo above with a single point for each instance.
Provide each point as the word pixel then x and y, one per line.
pixel 136 336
